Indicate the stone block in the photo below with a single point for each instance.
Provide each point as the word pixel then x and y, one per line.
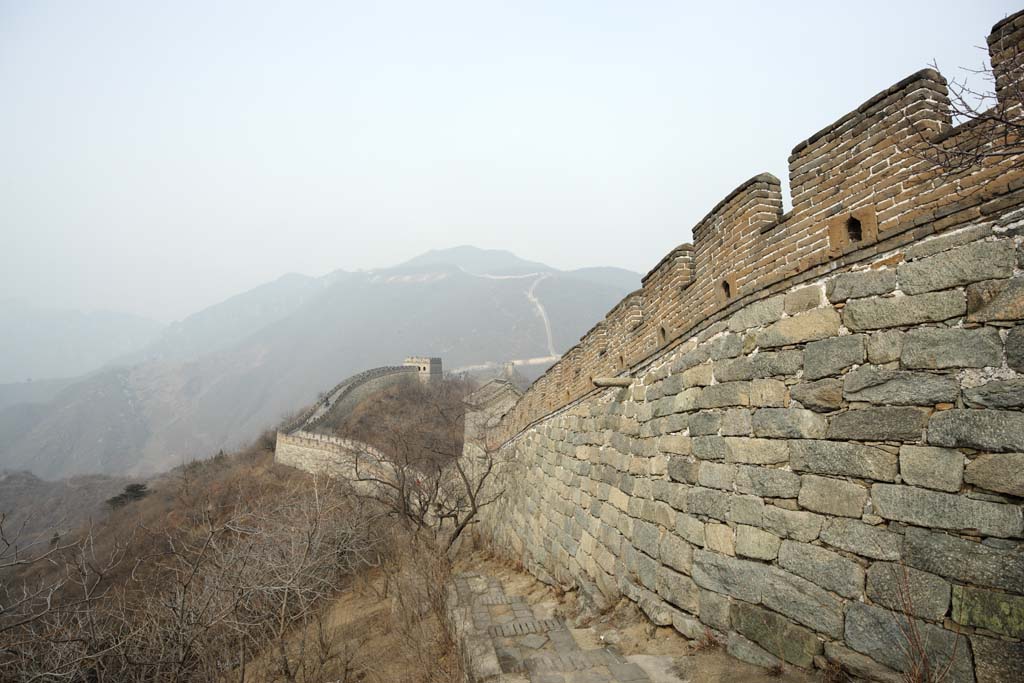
pixel 874 314
pixel 996 661
pixel 736 422
pixel 725 395
pixel 860 284
pixel 963 560
pixel 705 423
pixel 699 376
pixel 768 393
pixel 934 468
pixel 996 300
pixel 708 502
pixel 885 346
pixel 823 567
pixel 908 590
pixel 949 240
pixel 717 475
pixel 1015 348
pixel 1002 472
pixel 725 346
pixel 986 430
pixel 685 400
pixel 776 634
pixel 860 666
pixel 830 356
pixel 996 612
pixel 796 524
pixel 646 537
pixel 843 459
pixel 788 423
pixel 741 579
pixel 945 511
pixel 746 510
pixel 883 386
pixel 710 447
pixel 760 366
pixel 767 482
pixel 714 610
pixel 676 553
pixel 863 539
pixel 895 423
pixel 756 451
pixel 690 529
pixel 801 600
pixel 757 314
pixel 823 396
pixel 958 267
pixel 881 634
pixel 683 469
pixel 678 589
pixel 755 543
pixel 935 348
pixel 999 394
pixel 750 652
pixel 802 327
pixel 803 299
pixel 832 496
pixel 719 537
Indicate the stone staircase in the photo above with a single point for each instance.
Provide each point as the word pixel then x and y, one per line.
pixel 506 640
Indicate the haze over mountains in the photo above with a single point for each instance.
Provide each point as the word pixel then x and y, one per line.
pixel 219 377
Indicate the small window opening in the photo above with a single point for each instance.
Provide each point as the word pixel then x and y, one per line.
pixel 662 334
pixel 727 289
pixel 622 361
pixel 854 230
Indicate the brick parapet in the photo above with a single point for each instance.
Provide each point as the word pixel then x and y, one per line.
pixel 870 166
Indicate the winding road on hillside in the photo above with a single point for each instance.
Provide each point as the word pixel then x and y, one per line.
pixel 535 301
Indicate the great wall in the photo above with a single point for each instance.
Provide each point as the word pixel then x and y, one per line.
pixel 803 436
pixel 822 432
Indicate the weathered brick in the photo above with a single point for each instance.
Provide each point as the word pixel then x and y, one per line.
pixel 768 393
pixel 885 346
pixel 832 496
pixel 933 468
pixel 879 424
pixel 936 348
pixel 678 589
pixel 823 567
pixel 759 366
pixel 716 475
pixel 705 423
pixel 1002 472
pixel 860 284
pixel 958 267
pixel 844 459
pixel 725 394
pixel 987 430
pixel 736 422
pixel 873 314
pixel 719 537
pixel 756 451
pixel 707 502
pixel 746 510
pixel 946 241
pixel 817 324
pixel 945 511
pixel 796 524
pixel 829 356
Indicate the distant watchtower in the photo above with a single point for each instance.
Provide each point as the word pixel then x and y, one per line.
pixel 429 368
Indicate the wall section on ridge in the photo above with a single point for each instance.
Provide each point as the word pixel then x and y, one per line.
pixel 828 453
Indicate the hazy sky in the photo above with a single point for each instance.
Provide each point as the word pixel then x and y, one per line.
pixel 156 157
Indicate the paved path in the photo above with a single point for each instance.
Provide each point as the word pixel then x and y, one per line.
pixel 509 641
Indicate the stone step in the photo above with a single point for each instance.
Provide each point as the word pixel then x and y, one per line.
pixel 525 627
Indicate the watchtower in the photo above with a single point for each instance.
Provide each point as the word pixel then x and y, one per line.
pixel 429 368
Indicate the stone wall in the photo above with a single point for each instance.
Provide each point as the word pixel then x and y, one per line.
pixel 322 454
pixel 828 455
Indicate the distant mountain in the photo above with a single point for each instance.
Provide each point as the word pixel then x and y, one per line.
pixel 41 344
pixel 219 377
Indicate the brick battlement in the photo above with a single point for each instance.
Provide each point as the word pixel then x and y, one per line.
pixel 860 186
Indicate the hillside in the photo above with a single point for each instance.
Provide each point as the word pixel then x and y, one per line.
pixel 217 378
